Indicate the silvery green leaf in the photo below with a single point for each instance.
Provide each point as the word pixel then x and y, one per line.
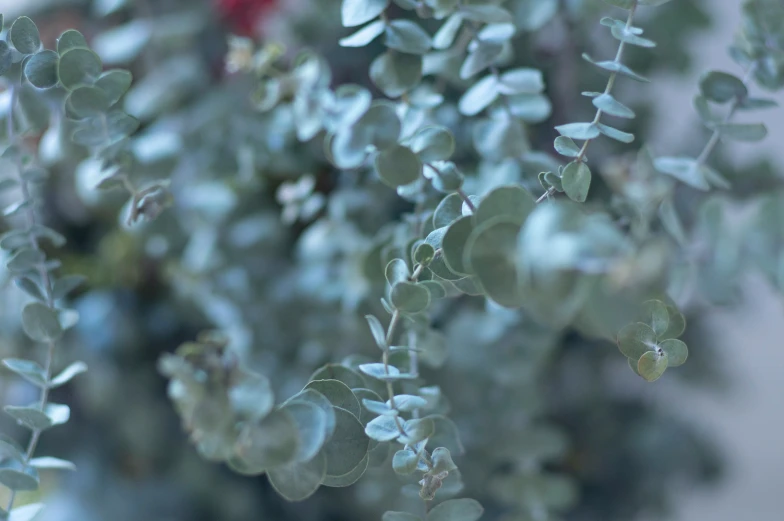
pixel 676 352
pixel 364 36
pixel 407 37
pixel 78 66
pixel 442 460
pixel 531 108
pixel 616 67
pixel 532 15
pixel 30 287
pixel 41 69
pixel 749 132
pixel 446 34
pixel 656 315
pixel 416 430
pixel 404 462
pixel 684 169
pixel 114 84
pixel 338 393
pixel 348 446
pixel 620 33
pixel 41 323
pixel 348 479
pixel 722 87
pixel 49 462
pixel 609 105
pixel 382 429
pixel 448 210
pixel 299 480
pixel 6 57
pixel 396 73
pixel 522 80
pixel 377 330
pixel 19 478
pixel 398 166
pixel 671 221
pixel 382 372
pixel 479 96
pixel 36 419
pixel 433 144
pixel 311 424
pixel 378 407
pixel 614 133
pixel 652 365
pixel 71 39
pixel 456 510
pixel 409 297
pixel 497 33
pixel 357 12
pixel 270 442
pixel 27 369
pixel 580 131
pixel 756 103
pixel 484 55
pixel 566 146
pixel 24 35
pixel 636 339
pixel 407 402
pixel 489 14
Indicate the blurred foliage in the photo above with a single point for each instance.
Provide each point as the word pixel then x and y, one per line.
pixel 241 181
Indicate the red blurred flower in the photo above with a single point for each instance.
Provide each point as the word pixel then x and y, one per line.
pixel 243 16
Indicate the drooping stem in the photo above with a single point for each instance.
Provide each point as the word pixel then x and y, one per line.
pixel 43 273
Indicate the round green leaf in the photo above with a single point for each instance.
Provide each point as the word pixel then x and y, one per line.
pixel 339 372
pixel 114 83
pixel 357 12
pixel 87 102
pixel 677 324
pixel 655 313
pixel 71 39
pixel 78 66
pixel 396 271
pixel 424 253
pixel 19 479
pixel 6 57
pixel 456 510
pixel 448 210
pixel 405 461
pixel 319 400
pixel 576 181
pixel 407 37
pixel 350 478
pixel 433 144
pixel 652 365
pixel 298 481
pixel 409 297
pixel 490 253
pixel 250 395
pixel 636 339
pixel 311 424
pixel 24 35
pixel 398 166
pixel 454 244
pixel 41 69
pixel 269 443
pixel 338 394
pixel 381 124
pixel 514 203
pixel 396 73
pixel 41 323
pixel 676 352
pixel 347 446
pixel 722 87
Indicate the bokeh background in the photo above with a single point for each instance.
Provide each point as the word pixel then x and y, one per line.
pixel 134 460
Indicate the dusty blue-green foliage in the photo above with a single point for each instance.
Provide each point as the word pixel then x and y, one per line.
pixel 416 326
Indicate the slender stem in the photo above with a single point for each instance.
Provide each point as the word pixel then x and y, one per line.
pixel 610 82
pixel 467 200
pixel 714 139
pixel 45 281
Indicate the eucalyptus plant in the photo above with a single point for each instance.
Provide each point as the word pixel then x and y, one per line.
pixel 437 315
